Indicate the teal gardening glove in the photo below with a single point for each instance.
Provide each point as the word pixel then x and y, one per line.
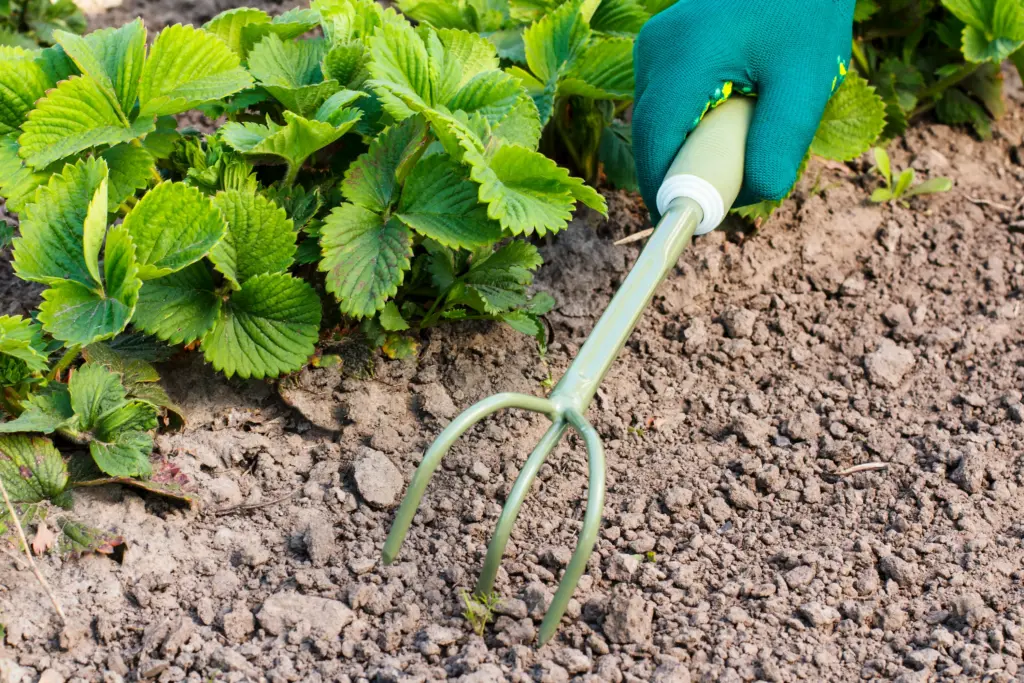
pixel 792 54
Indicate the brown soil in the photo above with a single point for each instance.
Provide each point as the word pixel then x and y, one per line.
pixel 843 333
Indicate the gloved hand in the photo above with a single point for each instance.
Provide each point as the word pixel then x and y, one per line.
pixel 792 54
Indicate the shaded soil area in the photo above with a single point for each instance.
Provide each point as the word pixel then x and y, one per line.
pixel 737 544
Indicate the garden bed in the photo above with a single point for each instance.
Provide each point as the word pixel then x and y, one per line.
pixel 770 364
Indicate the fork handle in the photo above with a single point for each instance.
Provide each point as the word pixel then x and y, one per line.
pixel 709 167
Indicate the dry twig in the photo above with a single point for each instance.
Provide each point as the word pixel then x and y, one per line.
pixel 245 507
pixel 28 554
pixel 635 237
pixel 865 467
pixel 986 202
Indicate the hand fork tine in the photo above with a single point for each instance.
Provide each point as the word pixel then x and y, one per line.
pixel 701 185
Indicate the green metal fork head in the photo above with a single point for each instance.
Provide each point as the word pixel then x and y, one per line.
pixel 563 416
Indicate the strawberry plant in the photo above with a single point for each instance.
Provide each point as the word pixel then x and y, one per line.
pixel 30 23
pixel 101 419
pixel 401 162
pixel 942 57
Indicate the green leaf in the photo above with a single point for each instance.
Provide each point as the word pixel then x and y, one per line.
pixel 94 391
pixel 439 202
pixel 22 83
pixel 126 456
pixel 521 321
pixel 883 164
pixel 179 308
pixel 554 41
pixel 131 169
pixel 292 142
pixel 882 194
pixel 957 108
pixel 291 72
pixel 346 63
pixel 604 70
pixel 173 226
pixel 77 314
pixel 400 69
pixel 619 17
pixel 498 282
pixel 932 186
pixel 77 539
pixel 370 182
pixel 113 58
pixel 365 258
pixel 399 346
pixel 18 182
pixel 291 24
pixel 22 339
pixel 267 328
pixel 31 469
pixel 130 416
pixel 853 120
pixel 132 370
pixel 228 26
pixel 524 190
pixel 73 117
pixel 260 238
pixel 521 126
pixel 51 248
pixel 616 155
pixel 906 179
pixel 45 412
pixel 187 67
pixel 391 318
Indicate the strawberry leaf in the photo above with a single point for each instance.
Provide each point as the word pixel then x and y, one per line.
pixel 267 328
pixel 131 169
pixel 291 72
pixel 853 120
pixel 439 202
pixel 32 470
pixel 173 226
pixel 18 182
pixel 94 390
pixel 365 258
pixel 187 67
pixel 45 412
pixel 22 339
pixel 292 142
pixel 73 117
pixel 127 455
pixel 229 26
pixel 113 58
pixel 370 182
pixel 180 307
pixel 604 70
pixel 51 248
pixel 77 314
pixel 260 237
pixel 22 83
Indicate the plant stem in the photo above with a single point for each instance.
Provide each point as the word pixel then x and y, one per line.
pixel 293 173
pixel 861 58
pixel 28 554
pixel 65 361
pixel 932 92
pixel 155 175
pixel 427 319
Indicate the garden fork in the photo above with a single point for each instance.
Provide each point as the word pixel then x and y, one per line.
pixel 701 186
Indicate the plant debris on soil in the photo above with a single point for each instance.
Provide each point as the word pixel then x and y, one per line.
pixel 741 540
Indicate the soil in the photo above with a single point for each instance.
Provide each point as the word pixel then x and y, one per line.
pixel 736 544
